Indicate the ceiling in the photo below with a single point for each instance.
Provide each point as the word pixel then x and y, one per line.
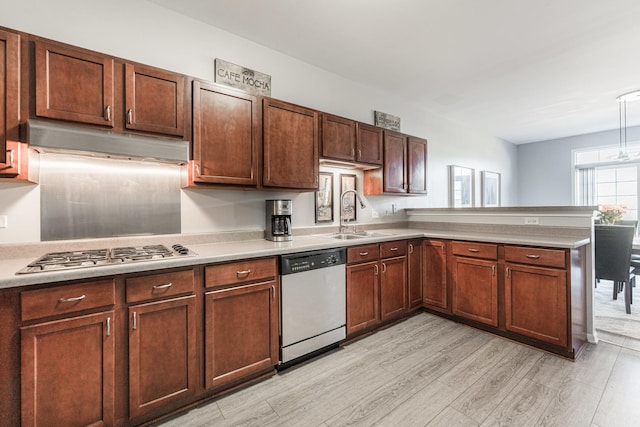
pixel 519 70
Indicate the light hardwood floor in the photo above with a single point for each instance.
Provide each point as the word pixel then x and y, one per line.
pixel 428 371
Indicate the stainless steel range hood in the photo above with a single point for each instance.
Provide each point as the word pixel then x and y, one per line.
pixel 61 137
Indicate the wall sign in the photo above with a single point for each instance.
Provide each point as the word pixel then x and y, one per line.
pixel 253 82
pixel 387 121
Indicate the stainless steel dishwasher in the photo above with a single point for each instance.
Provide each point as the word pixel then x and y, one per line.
pixel 313 302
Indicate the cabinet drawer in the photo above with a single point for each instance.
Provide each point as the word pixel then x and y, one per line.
pixel 535 256
pixel 159 285
pixel 66 299
pixel 392 249
pixel 475 250
pixel 362 253
pixel 239 272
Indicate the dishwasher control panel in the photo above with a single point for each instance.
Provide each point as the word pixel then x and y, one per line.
pixel 307 261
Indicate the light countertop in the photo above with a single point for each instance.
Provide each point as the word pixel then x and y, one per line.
pixel 209 253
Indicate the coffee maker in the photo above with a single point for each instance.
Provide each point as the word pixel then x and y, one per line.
pixel 278 220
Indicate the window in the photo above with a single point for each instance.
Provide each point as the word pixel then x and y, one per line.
pixel 601 179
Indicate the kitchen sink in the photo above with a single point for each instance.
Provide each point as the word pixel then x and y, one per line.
pixel 356 235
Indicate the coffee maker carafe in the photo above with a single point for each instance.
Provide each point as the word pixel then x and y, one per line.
pixel 278 220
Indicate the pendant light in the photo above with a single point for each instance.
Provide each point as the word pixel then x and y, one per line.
pixel 622 114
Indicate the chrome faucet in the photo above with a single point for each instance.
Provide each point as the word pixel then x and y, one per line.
pixel 362 205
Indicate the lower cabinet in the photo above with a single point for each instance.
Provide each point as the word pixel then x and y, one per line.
pixel 68 371
pixel 162 354
pixel 475 282
pixel 393 287
pixel 241 321
pixel 434 278
pixel 363 296
pixel 414 274
pixel 536 296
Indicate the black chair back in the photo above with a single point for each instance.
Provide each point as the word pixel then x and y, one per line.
pixel 613 251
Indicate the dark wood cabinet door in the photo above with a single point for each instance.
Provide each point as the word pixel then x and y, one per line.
pixel 225 135
pixel 9 103
pixel 338 137
pixel 290 144
pixel 74 85
pixel 393 287
pixel 162 354
pixel 475 290
pixel 241 332
pixel 536 303
pixel 154 100
pixel 369 144
pixel 67 372
pixel 434 278
pixel 395 160
pixel 414 274
pixel 417 165
pixel 363 296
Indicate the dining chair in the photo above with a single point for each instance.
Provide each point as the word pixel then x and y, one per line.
pixel 613 245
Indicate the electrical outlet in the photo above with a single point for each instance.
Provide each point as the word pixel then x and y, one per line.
pixel 531 220
pixel 374 213
pixel 4 222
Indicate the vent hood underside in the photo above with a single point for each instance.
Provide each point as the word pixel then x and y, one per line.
pixel 56 137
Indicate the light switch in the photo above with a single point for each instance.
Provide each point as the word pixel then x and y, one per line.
pixel 4 221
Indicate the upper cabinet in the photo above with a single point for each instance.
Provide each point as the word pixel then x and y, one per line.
pixel 9 104
pixel 395 163
pixel 369 144
pixel 81 86
pixel 417 165
pixel 226 136
pixel 338 137
pixel 74 85
pixel 154 100
pixel 290 145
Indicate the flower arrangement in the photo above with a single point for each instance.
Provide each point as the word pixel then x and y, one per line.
pixel 609 214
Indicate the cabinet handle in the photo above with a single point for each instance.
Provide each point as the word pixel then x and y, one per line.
pixel 273 291
pixel 532 256
pixel 129 116
pixel 135 320
pixel 11 158
pixel 364 253
pixel 107 113
pixel 507 272
pixel 108 326
pixel 168 285
pixel 384 267
pixel 359 154
pixel 493 270
pixel 244 273
pixel 393 249
pixel 410 248
pixel 377 270
pixel 72 299
pixel 442 247
pixel 316 179
pixel 474 250
pixel 353 152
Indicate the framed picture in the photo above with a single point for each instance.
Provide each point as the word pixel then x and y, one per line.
pixel 324 198
pixel 348 182
pixel 461 187
pixel 490 189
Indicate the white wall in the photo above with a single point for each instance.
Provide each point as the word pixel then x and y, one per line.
pixel 149 34
pixel 545 176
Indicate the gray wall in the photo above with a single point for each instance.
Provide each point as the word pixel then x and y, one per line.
pixel 545 176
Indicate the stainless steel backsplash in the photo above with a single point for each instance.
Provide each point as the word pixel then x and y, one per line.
pixel 85 197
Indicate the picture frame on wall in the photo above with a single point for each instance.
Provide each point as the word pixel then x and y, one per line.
pixel 461 187
pixel 348 182
pixel 491 191
pixel 324 198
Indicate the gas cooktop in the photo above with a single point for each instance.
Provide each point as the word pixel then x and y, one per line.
pixel 56 261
